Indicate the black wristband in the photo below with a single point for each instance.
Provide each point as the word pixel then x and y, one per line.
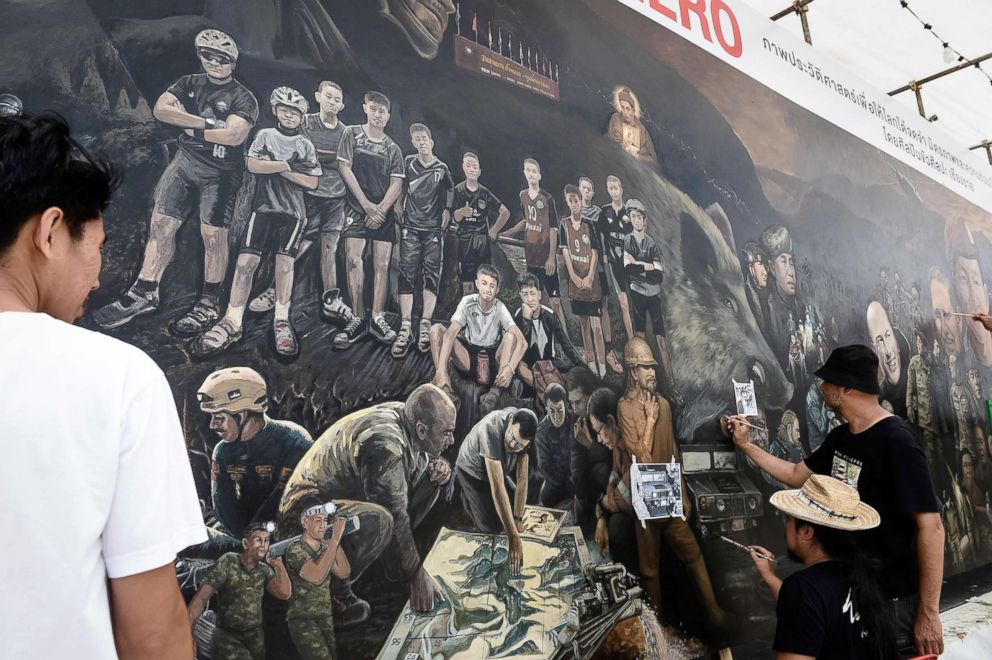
pixel 198 133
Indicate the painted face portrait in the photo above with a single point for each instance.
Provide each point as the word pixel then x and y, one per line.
pixel 627 111
pixel 377 114
pixel 330 100
pixel 487 286
pixel 759 272
pixel 216 65
pixel 257 544
pixel 883 341
pixel 784 272
pixel 948 327
pixel 289 118
pixel 556 413
pixel 972 293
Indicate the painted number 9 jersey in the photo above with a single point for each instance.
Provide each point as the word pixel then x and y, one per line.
pixel 540 217
pixel 580 245
pixel 198 96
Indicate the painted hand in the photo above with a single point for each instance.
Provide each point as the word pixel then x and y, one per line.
pixel 423 591
pixel 516 554
pixel 439 472
pixel 602 535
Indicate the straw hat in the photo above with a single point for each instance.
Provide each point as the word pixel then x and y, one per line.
pixel 827 501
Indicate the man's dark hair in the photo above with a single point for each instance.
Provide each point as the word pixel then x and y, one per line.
pixel 41 167
pixel 528 279
pixel 554 394
pixel 572 189
pixel 377 97
pixel 582 379
pixel 873 607
pixel 417 127
pixel 488 269
pixel 603 404
pixel 254 527
pixel 528 423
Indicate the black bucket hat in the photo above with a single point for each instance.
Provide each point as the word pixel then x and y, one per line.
pixel 853 366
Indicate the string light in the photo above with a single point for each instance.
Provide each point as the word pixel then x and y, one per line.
pixel 950 53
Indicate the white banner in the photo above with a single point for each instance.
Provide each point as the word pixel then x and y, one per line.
pixel 756 46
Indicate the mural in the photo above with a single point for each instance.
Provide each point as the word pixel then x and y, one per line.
pixel 331 206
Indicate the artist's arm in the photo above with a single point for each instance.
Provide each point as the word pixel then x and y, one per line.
pixel 199 603
pixel 279 586
pixel 148 616
pixel 444 355
pixel 765 568
pixel 927 629
pixel 793 475
pixel 520 495
pixel 501 220
pixel 315 571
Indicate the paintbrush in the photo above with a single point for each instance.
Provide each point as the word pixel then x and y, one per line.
pixel 748 550
pixel 743 421
pixel 966 314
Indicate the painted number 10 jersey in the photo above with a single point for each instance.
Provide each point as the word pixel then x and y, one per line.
pixel 540 217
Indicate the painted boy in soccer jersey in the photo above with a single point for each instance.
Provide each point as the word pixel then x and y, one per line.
pixel 642 263
pixel 482 342
pixel 324 205
pixel 372 168
pixel 424 211
pixel 590 213
pixel 285 162
pixel 479 216
pixel 579 243
pixel 540 227
pixel 614 225
pixel 216 113
pixel 239 581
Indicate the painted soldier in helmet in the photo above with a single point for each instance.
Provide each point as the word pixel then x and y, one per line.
pixel 256 454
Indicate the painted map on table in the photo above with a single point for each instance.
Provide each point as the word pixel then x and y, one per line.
pixel 486 612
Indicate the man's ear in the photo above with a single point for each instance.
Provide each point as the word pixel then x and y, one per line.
pixel 244 543
pixel 421 430
pixel 44 232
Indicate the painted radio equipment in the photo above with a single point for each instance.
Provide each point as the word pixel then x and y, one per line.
pixel 725 499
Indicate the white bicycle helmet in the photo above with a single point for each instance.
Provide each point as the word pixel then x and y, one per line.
pixel 290 98
pixel 216 40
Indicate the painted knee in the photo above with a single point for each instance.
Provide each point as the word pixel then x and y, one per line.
pixel 354 263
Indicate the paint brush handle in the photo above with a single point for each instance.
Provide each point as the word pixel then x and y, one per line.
pixel 748 550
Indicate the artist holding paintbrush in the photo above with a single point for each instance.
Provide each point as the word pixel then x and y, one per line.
pixel 834 607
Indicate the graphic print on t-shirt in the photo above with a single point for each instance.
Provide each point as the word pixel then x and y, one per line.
pixel 846 469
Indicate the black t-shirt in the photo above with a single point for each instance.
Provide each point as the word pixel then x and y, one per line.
pixel 429 191
pixel 815 615
pixel 203 98
pixel 614 226
pixel 485 209
pixel 888 467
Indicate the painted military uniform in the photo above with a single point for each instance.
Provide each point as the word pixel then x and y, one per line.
pixel 918 404
pixel 238 635
pixel 310 618
pixel 632 416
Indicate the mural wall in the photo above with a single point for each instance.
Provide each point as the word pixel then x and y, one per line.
pixel 317 192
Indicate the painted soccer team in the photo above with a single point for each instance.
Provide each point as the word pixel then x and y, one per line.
pixel 317 180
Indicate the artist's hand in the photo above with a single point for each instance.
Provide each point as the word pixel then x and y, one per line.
pixel 765 568
pixel 423 591
pixel 738 431
pixel 928 633
pixel 602 535
pixel 549 265
pixel 516 554
pixel 504 377
pixel 985 320
pixel 337 530
pixel 439 472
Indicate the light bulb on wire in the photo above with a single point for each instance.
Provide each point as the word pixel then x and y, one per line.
pixel 949 54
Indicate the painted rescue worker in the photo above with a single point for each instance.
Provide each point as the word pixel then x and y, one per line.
pixel 238 580
pixel 256 454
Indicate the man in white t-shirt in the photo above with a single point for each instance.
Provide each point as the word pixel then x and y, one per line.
pixel 99 497
pixel 482 341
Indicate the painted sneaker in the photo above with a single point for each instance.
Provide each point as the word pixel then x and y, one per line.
pixel 489 400
pixel 379 328
pixel 216 340
pixel 285 338
pixel 401 345
pixel 263 302
pixel 196 321
pixel 424 337
pixel 334 310
pixel 133 303
pixel 351 333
